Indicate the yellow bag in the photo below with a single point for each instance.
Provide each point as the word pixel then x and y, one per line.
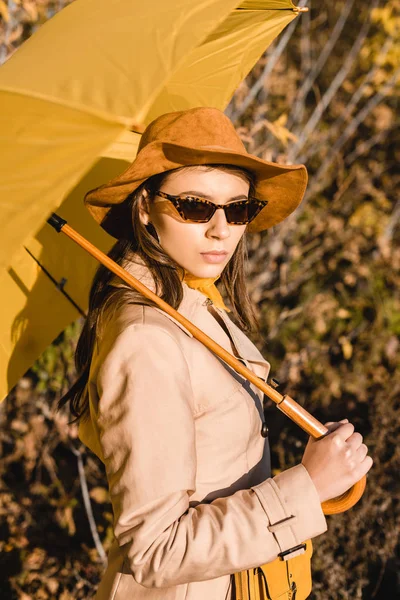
pixel 277 580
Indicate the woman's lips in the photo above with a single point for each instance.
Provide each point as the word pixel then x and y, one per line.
pixel 214 258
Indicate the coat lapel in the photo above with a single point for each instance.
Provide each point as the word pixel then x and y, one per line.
pixel 194 308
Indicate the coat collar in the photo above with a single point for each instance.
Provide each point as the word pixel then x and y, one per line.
pixel 194 308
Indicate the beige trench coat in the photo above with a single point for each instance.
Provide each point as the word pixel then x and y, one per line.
pixel 179 433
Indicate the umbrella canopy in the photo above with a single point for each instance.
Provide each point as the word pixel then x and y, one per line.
pixel 74 99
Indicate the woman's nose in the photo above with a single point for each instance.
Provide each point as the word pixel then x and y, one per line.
pixel 218 223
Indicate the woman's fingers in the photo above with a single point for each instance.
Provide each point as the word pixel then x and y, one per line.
pixel 355 440
pixel 362 451
pixel 335 422
pixel 346 431
pixel 333 425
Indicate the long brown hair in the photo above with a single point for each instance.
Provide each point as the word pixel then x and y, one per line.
pixel 167 275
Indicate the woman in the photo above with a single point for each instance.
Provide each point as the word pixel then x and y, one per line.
pixel 181 434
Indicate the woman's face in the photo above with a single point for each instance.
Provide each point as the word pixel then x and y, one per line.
pixel 185 241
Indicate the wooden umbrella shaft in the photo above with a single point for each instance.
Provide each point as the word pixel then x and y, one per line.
pixel 285 403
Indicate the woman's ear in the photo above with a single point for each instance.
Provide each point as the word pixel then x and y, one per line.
pixel 144 207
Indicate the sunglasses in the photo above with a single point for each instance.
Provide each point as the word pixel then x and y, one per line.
pixel 200 210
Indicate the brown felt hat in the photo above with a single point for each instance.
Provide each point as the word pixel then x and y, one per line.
pixel 197 136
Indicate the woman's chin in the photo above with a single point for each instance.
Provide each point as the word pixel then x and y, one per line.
pixel 206 271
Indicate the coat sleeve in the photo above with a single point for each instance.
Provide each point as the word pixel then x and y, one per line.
pixel 147 435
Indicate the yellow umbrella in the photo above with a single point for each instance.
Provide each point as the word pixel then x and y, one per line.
pixel 73 102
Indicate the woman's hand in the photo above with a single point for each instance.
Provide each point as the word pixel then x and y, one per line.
pixel 337 461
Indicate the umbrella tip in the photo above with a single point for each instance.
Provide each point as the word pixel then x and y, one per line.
pixel 56 222
pixel 137 127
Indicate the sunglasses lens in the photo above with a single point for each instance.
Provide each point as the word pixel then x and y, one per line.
pixel 195 210
pixel 242 213
pixel 239 213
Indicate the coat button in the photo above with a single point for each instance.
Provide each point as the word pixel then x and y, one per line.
pixel 264 430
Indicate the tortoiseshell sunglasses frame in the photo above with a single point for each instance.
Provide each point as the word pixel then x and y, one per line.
pixel 176 200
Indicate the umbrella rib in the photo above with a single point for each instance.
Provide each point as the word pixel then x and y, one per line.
pixel 295 9
pixel 93 112
pixel 57 284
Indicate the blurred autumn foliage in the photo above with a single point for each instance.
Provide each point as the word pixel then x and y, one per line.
pixel 326 283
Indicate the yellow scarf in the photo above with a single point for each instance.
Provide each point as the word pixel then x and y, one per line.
pixel 207 286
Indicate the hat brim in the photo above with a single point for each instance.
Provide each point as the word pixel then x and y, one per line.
pixel 282 185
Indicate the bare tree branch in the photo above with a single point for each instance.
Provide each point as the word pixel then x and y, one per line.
pixel 350 129
pixel 8 29
pixel 331 91
pixel 364 146
pixel 368 78
pixel 88 506
pixel 387 235
pixel 345 115
pixel 270 64
pixel 295 115
pixel 306 59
